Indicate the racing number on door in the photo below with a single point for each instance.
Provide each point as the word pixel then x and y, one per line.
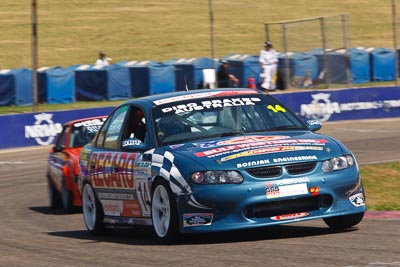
pixel 144 197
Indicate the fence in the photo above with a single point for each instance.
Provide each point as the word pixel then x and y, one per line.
pixel 324 37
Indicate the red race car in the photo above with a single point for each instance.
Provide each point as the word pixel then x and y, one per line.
pixel 62 172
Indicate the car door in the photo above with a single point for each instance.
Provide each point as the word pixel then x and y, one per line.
pixel 58 157
pixel 120 177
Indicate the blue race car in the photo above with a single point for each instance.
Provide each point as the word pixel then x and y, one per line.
pixel 215 160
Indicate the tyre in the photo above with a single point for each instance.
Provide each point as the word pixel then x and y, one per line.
pixel 164 212
pixel 53 194
pixel 343 222
pixel 92 210
pixel 66 197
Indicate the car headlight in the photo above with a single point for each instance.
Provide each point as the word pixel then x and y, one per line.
pixel 338 163
pixel 216 177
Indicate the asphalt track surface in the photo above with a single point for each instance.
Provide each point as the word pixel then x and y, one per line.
pixel 32 234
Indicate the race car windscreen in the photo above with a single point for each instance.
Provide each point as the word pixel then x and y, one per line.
pixel 202 118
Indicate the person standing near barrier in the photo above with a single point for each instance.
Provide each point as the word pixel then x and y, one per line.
pixel 102 60
pixel 226 79
pixel 268 60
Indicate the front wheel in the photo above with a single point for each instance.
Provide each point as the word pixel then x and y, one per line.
pixel 92 211
pixel 164 212
pixel 345 221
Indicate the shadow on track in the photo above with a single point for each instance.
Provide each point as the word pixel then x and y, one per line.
pixel 145 236
pixel 51 211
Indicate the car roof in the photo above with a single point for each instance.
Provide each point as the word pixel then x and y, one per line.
pixel 150 100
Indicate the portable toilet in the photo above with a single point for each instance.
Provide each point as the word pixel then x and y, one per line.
pixel 56 85
pixel 189 72
pixel 16 87
pixel 91 82
pixel 148 78
pixel 383 64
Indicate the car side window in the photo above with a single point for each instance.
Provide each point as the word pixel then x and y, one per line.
pixel 135 125
pixel 61 141
pixel 109 135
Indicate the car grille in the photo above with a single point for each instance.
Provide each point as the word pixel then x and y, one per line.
pixel 300 168
pixel 288 206
pixel 274 171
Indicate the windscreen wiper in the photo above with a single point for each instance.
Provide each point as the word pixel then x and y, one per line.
pixel 286 127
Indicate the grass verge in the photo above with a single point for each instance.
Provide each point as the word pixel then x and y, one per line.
pixel 382 185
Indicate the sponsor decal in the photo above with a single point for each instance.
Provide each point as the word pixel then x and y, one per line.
pixel 212 104
pixel 112 207
pixel 88 123
pixel 239 140
pixel 124 208
pixel 44 130
pixel 176 146
pixel 286 188
pixel 131 208
pixel 249 143
pixel 357 200
pixel 289 216
pixel 267 150
pixel 201 95
pixel 252 163
pixel 115 195
pixel 195 219
pixel 104 176
pixel 131 142
pixel 296 158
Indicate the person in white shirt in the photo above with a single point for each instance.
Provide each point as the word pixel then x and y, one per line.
pixel 102 60
pixel 268 60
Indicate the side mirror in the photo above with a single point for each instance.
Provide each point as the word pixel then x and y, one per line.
pixel 57 149
pixel 132 144
pixel 313 125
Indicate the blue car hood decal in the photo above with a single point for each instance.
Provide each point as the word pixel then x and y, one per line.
pixel 259 149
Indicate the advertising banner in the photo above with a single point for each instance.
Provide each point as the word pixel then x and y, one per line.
pixel 40 129
pixel 344 104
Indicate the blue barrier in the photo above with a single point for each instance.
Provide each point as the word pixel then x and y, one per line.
pixel 33 129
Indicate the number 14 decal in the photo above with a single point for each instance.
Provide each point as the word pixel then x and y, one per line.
pixel 276 108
